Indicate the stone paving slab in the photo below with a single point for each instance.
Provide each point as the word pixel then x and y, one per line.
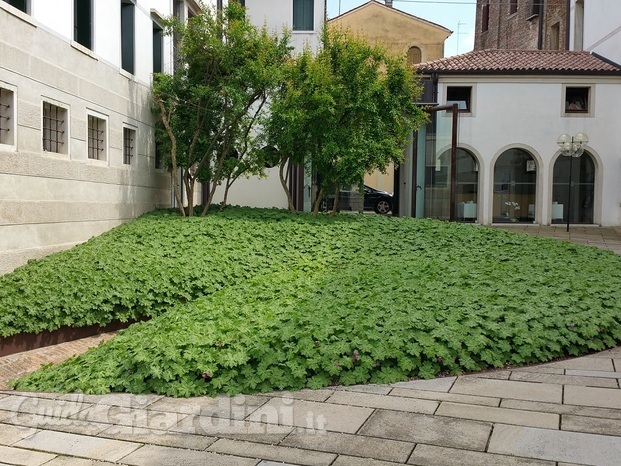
pixel 273 452
pixel 72 461
pixel 352 445
pixel 357 461
pixel 307 395
pixel 24 457
pixel 584 363
pixel 421 428
pixel 61 424
pixel 429 455
pixel 227 428
pixel 441 396
pixel 42 406
pixel 593 425
pixel 119 415
pixel 396 403
pixel 10 434
pixel 508 389
pixel 379 389
pixel 78 445
pixel 312 415
pixel 442 384
pixel 565 379
pixel 236 407
pixel 158 437
pixel 543 369
pixel 151 455
pixel 587 396
pixel 572 447
pixel 498 375
pixel 605 413
pixel 594 374
pixel 124 400
pixel 502 415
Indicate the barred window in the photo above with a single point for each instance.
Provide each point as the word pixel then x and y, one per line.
pixel 7 120
pixel 158 157
pixel 129 140
pixel 54 125
pixel 96 138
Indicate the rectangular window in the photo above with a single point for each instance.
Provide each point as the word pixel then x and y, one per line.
pixel 129 142
pixel 158 157
pixel 127 36
pixel 83 22
pixel 96 138
pixel 158 38
pixel 513 6
pixel 534 8
pixel 7 117
pixel 485 16
pixel 555 36
pixel 21 5
pixel 54 128
pixel 303 15
pixel 577 99
pixel 459 95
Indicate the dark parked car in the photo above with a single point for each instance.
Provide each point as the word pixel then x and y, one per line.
pixel 349 199
pixel 379 201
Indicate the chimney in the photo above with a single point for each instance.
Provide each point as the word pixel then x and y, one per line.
pixel 388 3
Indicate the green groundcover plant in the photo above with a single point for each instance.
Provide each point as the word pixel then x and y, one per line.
pixel 251 300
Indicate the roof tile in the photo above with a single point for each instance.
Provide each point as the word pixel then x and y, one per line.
pixel 521 61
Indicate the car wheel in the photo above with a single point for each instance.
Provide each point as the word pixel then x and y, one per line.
pixel 383 206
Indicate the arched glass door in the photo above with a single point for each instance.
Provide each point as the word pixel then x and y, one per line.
pixel 438 187
pixel 515 187
pixel 579 203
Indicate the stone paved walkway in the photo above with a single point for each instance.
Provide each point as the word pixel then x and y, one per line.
pixel 558 414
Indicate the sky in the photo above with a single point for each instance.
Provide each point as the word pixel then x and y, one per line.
pixel 456 15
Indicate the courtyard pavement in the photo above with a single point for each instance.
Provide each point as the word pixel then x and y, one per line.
pixel 562 413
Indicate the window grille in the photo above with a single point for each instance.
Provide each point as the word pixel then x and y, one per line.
pixel 6 111
pixel 96 137
pixel 53 128
pixel 129 137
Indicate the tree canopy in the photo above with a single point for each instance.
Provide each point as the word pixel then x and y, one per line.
pixel 225 70
pixel 342 112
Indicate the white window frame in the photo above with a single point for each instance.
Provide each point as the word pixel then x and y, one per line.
pixel 104 158
pixel 133 155
pixel 65 130
pixel 590 112
pixel 10 142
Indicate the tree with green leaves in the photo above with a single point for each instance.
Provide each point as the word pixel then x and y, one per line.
pixel 225 71
pixel 342 112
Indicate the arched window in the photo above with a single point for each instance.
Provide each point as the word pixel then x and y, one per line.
pixel 578 203
pixel 414 55
pixel 515 187
pixel 438 187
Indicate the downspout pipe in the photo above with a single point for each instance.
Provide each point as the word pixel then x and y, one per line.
pixel 542 10
pixel 567 25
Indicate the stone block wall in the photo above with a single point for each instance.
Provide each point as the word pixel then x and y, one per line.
pixel 53 200
pixel 520 30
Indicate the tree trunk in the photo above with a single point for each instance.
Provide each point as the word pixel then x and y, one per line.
pixel 189 188
pixel 227 186
pixel 284 183
pixel 173 155
pixel 317 202
pixel 337 191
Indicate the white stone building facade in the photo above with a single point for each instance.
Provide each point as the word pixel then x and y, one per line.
pixel 77 153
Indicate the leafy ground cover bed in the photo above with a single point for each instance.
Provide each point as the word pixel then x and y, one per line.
pixel 258 300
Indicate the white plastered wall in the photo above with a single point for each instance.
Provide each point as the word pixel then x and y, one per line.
pixel 528 112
